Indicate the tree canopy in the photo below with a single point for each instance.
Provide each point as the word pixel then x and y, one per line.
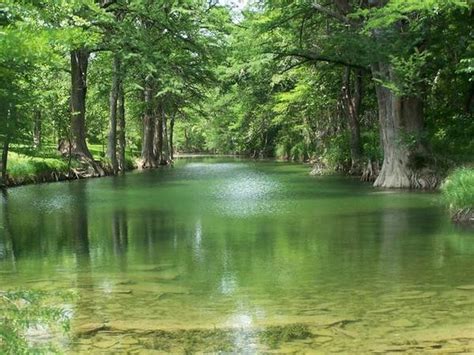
pixel 379 89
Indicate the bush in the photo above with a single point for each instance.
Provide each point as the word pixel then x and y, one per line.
pixel 130 162
pixel 458 192
pixel 338 154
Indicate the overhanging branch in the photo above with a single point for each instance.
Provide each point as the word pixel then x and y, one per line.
pixel 302 62
pixel 341 18
pixel 311 57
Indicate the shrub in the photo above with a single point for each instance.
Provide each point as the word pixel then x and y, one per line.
pixel 458 192
pixel 338 154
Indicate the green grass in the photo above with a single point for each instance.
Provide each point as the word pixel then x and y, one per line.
pixel 458 189
pixel 26 165
pixel 25 168
pixel 30 165
pixel 97 150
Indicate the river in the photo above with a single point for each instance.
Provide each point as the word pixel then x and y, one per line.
pixel 226 254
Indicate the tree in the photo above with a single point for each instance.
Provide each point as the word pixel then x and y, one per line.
pixel 391 39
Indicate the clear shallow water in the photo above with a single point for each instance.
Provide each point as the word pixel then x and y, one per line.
pixel 217 254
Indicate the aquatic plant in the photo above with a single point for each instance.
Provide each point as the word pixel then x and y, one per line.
pixel 275 335
pixel 27 312
pixel 225 340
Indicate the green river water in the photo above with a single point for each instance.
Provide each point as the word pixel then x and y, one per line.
pixel 234 255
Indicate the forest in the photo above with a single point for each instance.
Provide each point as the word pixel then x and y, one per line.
pixel 311 100
pixel 379 90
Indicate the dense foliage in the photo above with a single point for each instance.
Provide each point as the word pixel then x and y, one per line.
pixel 380 90
pixel 304 81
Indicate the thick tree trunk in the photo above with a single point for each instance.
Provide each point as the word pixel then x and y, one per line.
pixel 113 99
pixel 121 129
pixel 351 99
pixel 171 137
pixel 37 129
pixel 79 63
pixel 148 151
pixel 401 127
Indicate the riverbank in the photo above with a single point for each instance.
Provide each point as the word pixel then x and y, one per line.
pixel 33 167
pixel 29 167
pixel 49 166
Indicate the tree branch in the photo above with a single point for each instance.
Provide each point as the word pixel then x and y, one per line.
pixel 304 61
pixel 341 18
pixel 310 57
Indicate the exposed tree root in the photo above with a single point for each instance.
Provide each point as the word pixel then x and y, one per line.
pixel 319 168
pixel 463 215
pixel 425 179
pixel 371 171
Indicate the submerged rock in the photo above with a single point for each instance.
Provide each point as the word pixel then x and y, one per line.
pixel 416 296
pixel 105 343
pixel 156 268
pixel 122 292
pixel 323 339
pixel 126 283
pixel 90 329
pixel 128 340
pixel 167 295
pixel 402 323
pixel 383 310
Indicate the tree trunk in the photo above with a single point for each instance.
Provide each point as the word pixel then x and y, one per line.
pixel 6 146
pixel 37 129
pixel 469 103
pixel 148 152
pixel 114 93
pixel 158 139
pixel 165 153
pixel 3 167
pixel 171 137
pixel 121 129
pixel 401 126
pixel 79 63
pixel 8 241
pixel 351 100
pixel 186 140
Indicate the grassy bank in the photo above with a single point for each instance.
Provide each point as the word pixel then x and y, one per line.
pixel 24 169
pixel 458 192
pixel 26 166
